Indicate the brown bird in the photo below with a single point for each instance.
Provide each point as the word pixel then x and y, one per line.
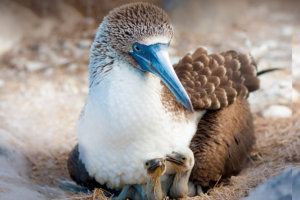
pixel 139 104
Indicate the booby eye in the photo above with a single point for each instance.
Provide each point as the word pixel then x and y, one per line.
pixel 183 158
pixel 147 163
pixel 136 48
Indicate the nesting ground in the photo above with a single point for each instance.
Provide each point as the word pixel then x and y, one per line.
pixel 44 84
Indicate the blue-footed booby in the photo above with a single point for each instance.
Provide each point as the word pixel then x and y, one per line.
pixel 140 107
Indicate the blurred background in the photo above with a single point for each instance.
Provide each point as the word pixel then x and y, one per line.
pixel 44 55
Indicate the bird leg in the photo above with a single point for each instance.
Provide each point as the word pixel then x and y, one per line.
pixel 140 191
pixel 125 193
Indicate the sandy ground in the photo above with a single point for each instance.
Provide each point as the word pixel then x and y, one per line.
pixel 43 86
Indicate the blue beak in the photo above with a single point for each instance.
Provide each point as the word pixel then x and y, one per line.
pixel 155 59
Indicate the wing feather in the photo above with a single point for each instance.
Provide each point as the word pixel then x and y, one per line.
pixel 215 81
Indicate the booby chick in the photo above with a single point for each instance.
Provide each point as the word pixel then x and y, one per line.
pixel 139 104
pixel 152 190
pixel 182 164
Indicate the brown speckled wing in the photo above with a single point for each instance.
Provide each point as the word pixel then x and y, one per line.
pixel 215 81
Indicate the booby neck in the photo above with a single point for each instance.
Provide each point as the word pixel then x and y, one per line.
pixel 153 188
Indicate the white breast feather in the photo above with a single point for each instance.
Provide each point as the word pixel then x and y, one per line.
pixel 124 124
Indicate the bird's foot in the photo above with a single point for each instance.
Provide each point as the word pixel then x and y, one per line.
pixel 124 193
pixel 194 190
pixel 199 190
pixel 139 189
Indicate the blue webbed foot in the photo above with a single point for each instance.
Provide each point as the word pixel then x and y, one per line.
pixel 139 189
pixel 123 195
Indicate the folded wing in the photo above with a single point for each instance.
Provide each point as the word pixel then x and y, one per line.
pixel 215 81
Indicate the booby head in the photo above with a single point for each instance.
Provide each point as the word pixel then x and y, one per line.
pixel 155 167
pixel 139 34
pixel 181 161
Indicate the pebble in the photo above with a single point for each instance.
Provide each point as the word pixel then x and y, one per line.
pixel 277 111
pixel 295 95
pixel 72 67
pixel 32 66
pixel 2 83
pixel 84 44
pixel 49 72
pixel 278 187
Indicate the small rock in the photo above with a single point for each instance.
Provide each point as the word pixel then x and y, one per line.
pixel 49 72
pixel 2 83
pixel 296 184
pixel 287 30
pixel 277 188
pixel 18 62
pixel 277 111
pixel 84 44
pixel 67 45
pixel 295 95
pixel 33 66
pixel 72 67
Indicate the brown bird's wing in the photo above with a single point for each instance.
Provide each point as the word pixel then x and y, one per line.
pixel 215 81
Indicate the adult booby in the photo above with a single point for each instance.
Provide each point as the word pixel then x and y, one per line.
pixel 139 106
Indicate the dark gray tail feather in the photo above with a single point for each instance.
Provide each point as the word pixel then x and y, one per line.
pixel 267 71
pixel 80 175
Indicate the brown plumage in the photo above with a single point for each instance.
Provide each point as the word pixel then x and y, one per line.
pixel 222 143
pixel 215 81
pixel 219 83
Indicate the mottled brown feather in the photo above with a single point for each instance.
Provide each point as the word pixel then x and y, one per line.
pixel 218 79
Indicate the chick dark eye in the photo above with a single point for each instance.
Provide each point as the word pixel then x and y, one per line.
pixel 183 158
pixel 147 163
pixel 136 48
